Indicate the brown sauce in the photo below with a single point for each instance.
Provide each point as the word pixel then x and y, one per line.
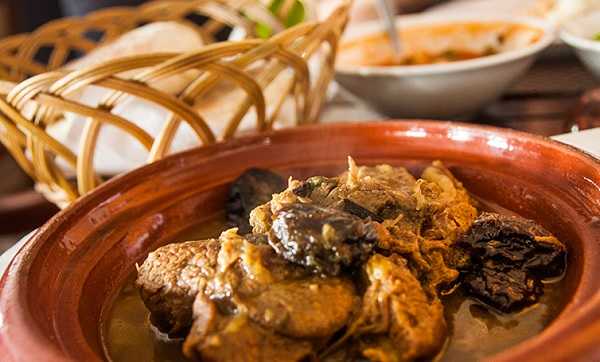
pixel 474 331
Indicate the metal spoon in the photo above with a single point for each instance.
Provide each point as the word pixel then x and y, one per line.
pixel 387 15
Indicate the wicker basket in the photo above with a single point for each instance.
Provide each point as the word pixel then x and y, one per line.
pixel 42 99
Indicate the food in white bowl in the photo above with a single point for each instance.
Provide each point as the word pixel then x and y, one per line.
pixel 450 66
pixel 583 34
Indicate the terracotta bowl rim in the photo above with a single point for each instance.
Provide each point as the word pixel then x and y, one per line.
pixel 13 286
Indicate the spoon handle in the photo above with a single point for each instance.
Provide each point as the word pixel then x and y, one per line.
pixel 387 15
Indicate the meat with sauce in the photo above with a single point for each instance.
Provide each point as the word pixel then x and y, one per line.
pixel 350 267
pixel 170 278
pixel 236 338
pixel 421 219
pixel 398 320
pixel 265 294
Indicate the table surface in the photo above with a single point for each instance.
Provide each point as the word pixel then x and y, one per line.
pixel 542 101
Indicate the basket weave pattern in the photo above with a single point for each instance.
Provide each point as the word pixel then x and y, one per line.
pixel 43 95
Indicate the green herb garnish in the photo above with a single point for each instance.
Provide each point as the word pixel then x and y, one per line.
pixel 295 15
pixel 596 37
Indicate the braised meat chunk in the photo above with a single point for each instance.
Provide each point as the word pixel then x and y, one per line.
pixel 287 298
pixel 170 278
pixel 398 321
pixel 378 192
pixel 237 338
pixel 509 258
pixel 256 294
pixel 313 307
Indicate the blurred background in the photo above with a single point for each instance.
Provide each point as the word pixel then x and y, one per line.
pixel 17 16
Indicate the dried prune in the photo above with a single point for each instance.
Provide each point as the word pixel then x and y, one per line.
pixel 321 238
pixel 253 188
pixel 509 258
pixel 506 290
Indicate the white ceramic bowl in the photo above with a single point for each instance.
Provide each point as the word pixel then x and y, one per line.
pixel 444 90
pixel 578 33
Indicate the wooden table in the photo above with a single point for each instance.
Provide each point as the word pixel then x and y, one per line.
pixel 543 101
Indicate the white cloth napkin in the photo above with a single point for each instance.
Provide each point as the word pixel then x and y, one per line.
pixel 588 140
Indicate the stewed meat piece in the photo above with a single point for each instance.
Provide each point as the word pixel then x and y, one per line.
pixel 264 295
pixel 170 278
pixel 215 337
pixel 509 258
pixel 398 321
pixel 452 211
pixel 378 192
pixel 285 297
pixel 313 307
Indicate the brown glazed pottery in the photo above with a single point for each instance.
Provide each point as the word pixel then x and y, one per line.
pixel 60 287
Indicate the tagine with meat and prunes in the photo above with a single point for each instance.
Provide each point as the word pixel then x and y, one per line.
pixel 371 265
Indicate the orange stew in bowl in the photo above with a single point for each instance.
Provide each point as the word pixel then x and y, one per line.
pixel 437 44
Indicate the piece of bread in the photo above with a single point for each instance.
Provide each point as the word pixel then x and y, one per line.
pixel 158 37
pixel 115 150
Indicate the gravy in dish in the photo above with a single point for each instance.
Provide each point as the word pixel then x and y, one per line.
pixel 474 331
pixel 372 264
